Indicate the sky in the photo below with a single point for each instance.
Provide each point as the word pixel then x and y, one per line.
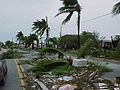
pixel 19 15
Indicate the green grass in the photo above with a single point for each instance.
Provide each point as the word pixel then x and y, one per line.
pixel 55 66
pixel 61 70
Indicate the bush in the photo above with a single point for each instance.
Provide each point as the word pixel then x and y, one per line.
pixel 96 53
pixel 115 55
pixel 10 54
pixel 86 49
pixel 61 70
pixel 48 65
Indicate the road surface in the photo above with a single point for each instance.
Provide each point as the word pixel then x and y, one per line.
pixel 114 65
pixel 12 79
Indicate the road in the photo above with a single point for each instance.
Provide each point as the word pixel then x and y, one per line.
pixel 115 73
pixel 12 79
pixel 114 65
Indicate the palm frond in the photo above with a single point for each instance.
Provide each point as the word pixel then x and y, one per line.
pixel 54 51
pixel 61 12
pixel 67 18
pixel 69 2
pixel 116 9
pixel 67 8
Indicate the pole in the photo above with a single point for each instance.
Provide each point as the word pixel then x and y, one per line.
pixel 79 29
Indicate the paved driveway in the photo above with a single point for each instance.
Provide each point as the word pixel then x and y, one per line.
pixel 12 79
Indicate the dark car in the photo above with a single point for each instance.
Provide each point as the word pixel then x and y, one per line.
pixel 3 71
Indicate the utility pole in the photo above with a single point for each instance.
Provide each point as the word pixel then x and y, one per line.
pixel 61 31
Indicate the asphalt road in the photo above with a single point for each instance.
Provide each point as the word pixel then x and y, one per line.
pixel 114 65
pixel 12 79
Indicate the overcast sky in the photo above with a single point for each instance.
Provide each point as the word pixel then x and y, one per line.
pixel 18 15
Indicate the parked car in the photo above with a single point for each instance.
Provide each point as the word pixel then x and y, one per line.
pixel 3 71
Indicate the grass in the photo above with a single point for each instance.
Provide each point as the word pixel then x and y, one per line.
pixel 61 70
pixel 48 65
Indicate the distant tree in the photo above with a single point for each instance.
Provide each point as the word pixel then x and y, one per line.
pixel 20 37
pixel 1 44
pixel 40 27
pixel 30 40
pixel 118 47
pixel 89 35
pixel 55 41
pixel 69 42
pixel 70 6
pixel 9 44
pixel 115 40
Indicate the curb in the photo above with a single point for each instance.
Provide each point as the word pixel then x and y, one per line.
pixel 21 73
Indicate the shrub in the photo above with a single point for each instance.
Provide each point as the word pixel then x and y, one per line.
pixel 47 65
pixel 11 54
pixel 61 70
pixel 115 55
pixel 86 49
pixel 96 53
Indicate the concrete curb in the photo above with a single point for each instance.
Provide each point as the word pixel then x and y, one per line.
pixel 21 73
pixel 104 60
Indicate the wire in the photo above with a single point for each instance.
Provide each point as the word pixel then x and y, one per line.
pixel 88 20
pixel 96 18
pixel 72 23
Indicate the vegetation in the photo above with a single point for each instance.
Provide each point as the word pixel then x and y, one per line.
pixel 40 27
pixel 54 42
pixel 9 44
pixel 70 41
pixel 53 51
pixel 30 41
pixel 86 49
pixel 116 9
pixel 20 37
pixel 57 67
pixel 71 6
pixel 10 54
pixel 60 67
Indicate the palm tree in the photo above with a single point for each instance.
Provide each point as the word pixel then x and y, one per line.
pixel 40 27
pixel 70 6
pixel 29 41
pixel 55 41
pixel 20 37
pixel 116 9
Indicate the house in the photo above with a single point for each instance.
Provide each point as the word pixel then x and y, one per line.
pixel 106 44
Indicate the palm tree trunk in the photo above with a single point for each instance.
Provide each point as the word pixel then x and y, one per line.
pixel 47 34
pixel 78 29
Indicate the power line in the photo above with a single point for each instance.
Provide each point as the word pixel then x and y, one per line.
pixel 96 18
pixel 72 23
pixel 101 16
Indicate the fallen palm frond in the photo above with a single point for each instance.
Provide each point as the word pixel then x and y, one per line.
pixel 54 51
